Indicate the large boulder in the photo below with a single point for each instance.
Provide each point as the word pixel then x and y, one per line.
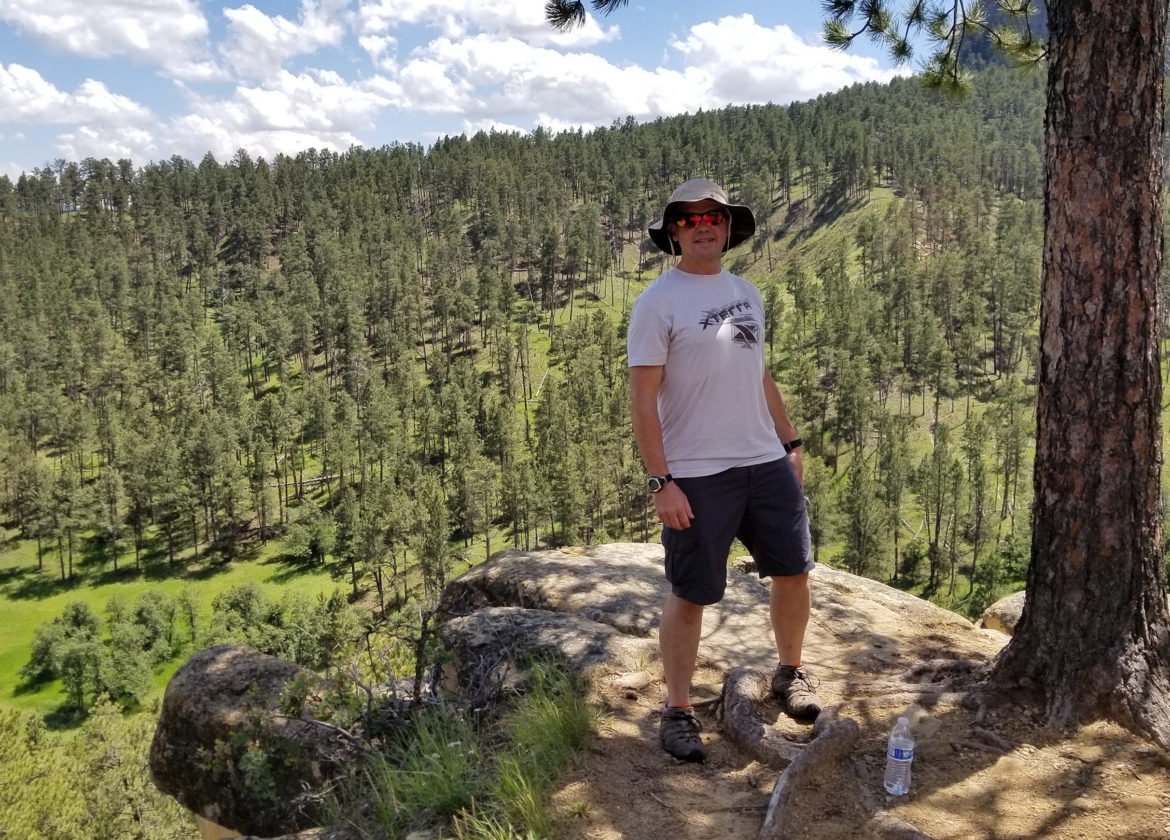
pixel 225 749
pixel 1004 614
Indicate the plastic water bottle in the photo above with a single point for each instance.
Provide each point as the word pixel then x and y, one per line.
pixel 899 755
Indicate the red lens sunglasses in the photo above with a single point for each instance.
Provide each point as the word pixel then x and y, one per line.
pixel 712 218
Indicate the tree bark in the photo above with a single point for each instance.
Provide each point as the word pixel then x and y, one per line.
pixel 1093 638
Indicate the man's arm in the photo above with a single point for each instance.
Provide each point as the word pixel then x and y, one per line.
pixel 674 510
pixel 784 428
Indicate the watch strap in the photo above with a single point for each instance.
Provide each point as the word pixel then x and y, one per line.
pixel 657 482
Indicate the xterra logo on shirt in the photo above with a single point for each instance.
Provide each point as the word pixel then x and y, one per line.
pixel 739 316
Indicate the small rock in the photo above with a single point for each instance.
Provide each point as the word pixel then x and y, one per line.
pixel 744 563
pixel 1141 802
pixel 636 680
pixel 1010 763
pixel 1084 803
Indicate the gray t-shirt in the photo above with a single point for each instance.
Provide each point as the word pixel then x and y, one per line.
pixel 708 332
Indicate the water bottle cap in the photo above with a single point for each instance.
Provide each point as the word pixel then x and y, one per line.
pixel 903 720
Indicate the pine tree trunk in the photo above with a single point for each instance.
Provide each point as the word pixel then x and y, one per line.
pixel 1095 636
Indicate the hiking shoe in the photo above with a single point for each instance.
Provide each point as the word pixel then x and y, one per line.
pixel 794 686
pixel 679 734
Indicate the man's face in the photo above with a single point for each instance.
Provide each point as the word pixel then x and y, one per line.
pixel 700 228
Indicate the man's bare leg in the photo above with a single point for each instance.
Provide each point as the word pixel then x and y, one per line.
pixel 678 640
pixel 790 603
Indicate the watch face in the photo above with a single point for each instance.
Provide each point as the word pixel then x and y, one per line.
pixel 655 483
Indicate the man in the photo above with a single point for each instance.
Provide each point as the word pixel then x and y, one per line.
pixel 723 458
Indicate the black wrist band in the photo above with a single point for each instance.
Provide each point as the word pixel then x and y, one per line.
pixel 795 443
pixel 655 483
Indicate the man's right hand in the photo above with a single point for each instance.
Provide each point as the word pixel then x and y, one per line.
pixel 674 511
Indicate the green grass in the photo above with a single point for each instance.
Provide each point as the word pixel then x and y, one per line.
pixel 29 597
pixel 490 783
pixel 434 780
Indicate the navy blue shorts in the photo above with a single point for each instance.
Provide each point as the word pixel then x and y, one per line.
pixel 763 505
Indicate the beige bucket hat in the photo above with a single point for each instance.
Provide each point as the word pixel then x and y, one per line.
pixel 743 223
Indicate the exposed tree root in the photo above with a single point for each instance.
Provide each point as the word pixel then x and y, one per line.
pixel 832 745
pixel 937 670
pixel 744 691
pixel 989 738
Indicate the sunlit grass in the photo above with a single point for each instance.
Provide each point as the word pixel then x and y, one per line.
pixel 434 779
pixel 490 783
pixel 29 597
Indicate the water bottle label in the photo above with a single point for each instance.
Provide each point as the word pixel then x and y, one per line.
pixel 899 754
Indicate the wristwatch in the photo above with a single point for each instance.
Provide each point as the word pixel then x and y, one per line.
pixel 656 482
pixel 795 443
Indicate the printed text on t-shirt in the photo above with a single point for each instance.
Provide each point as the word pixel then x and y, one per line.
pixel 718 316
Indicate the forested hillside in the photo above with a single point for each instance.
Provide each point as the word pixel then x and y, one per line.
pixel 402 359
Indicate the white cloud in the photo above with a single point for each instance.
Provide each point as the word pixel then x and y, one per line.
pixel 454 19
pixel 747 62
pixel 556 126
pixel 490 77
pixel 202 135
pixel 427 87
pixel 490 126
pixel 99 123
pixel 319 109
pixel 259 44
pixel 389 90
pixel 506 77
pixel 319 101
pixel 94 101
pixel 168 33
pixel 109 141
pixel 381 49
pixel 295 112
pixel 25 96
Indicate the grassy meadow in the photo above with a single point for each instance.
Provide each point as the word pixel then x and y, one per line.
pixel 30 597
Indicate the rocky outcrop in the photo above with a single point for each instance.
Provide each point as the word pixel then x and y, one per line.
pixel 496 647
pixel 224 748
pixel 614 593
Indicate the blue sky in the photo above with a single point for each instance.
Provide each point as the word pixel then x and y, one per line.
pixel 148 80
